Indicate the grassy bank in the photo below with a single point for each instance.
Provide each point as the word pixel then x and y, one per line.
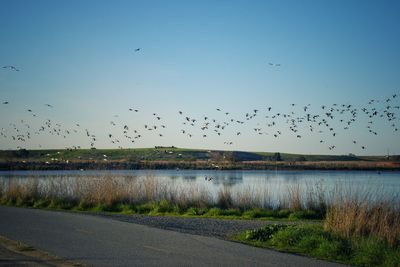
pixel 318 242
pixel 165 208
pixel 354 231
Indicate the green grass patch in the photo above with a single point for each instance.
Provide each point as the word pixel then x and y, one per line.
pixel 163 207
pixel 144 208
pixel 41 203
pixel 194 211
pixel 260 213
pixel 304 215
pixel 62 204
pixel 312 240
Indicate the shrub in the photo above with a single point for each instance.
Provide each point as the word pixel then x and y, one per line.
pixel 144 208
pixel 64 204
pixel 292 235
pixel 41 203
pixel 265 233
pixel 164 207
pixel 284 213
pixel 214 212
pixel 84 205
pixel 304 214
pixel 126 208
pixel 260 213
pixel 230 212
pixel 196 211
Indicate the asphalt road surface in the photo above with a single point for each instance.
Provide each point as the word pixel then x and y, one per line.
pixel 99 241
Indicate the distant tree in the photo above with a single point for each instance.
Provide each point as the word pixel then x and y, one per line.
pixel 277 157
pixel 301 158
pixel 21 153
pixel 229 156
pixel 394 157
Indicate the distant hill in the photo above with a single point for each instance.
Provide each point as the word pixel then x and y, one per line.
pixel 173 153
pixel 172 157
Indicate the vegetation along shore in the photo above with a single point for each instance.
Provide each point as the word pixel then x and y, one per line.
pixel 172 158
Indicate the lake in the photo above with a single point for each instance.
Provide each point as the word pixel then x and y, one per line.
pixel 378 184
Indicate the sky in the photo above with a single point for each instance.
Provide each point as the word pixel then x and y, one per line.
pixel 195 57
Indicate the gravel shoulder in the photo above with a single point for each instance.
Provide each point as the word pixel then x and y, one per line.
pixel 219 228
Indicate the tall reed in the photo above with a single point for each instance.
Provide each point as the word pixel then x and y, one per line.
pixel 354 218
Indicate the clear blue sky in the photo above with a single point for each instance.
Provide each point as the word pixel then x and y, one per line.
pixel 197 56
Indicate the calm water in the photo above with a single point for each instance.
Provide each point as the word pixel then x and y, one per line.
pixel 381 184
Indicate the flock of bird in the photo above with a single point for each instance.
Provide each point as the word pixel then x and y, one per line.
pixel 326 121
pixel 329 121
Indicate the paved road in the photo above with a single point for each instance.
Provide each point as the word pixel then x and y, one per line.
pixel 98 241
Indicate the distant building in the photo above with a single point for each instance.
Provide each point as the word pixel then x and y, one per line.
pixel 164 147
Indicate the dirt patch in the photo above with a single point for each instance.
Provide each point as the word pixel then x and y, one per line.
pixel 15 253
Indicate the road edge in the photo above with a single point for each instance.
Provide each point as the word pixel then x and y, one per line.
pixel 45 257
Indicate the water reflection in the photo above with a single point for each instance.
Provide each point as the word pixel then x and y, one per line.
pixel 189 177
pixel 275 182
pixel 227 179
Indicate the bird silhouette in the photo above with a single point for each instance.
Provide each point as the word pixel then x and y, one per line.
pixel 11 68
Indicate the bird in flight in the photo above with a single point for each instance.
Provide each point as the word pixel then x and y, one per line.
pixel 274 64
pixel 11 68
pixel 137 49
pixel 5 102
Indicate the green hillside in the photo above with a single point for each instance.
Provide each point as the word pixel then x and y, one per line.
pixel 173 154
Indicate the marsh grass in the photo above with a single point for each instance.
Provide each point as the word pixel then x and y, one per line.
pixel 352 219
pixel 151 195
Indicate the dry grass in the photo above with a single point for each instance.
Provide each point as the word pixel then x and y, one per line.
pixel 20 193
pixel 354 219
pixel 251 197
pixel 316 197
pixel 111 190
pixel 295 197
pixel 225 199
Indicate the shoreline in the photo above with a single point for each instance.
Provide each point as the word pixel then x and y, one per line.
pixel 203 165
